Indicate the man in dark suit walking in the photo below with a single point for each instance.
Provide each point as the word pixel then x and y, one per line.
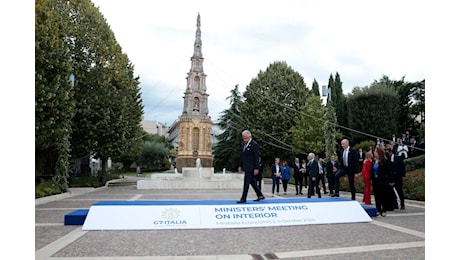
pixel 348 165
pixel 298 177
pixel 331 170
pixel 249 163
pixel 313 178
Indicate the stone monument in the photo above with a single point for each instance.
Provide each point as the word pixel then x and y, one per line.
pixel 194 156
pixel 195 124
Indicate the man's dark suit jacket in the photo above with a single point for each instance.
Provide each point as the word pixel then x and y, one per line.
pixel 297 173
pixel 353 161
pixel 249 160
pixel 329 167
pixel 313 169
pixel 398 167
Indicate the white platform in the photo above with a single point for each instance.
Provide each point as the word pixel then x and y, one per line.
pixel 191 179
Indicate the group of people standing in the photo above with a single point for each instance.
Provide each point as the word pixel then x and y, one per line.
pixel 312 172
pixel 382 171
pixel 280 173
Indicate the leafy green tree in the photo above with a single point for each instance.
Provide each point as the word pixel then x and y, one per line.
pixel 271 102
pixel 417 109
pixel 372 112
pixel 418 97
pixel 109 109
pixel 308 133
pixel 403 118
pixel 54 103
pixel 226 153
pixel 154 156
pixel 100 110
pixel 129 156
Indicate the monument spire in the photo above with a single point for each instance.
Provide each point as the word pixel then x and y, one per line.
pixel 195 124
pixel 197 52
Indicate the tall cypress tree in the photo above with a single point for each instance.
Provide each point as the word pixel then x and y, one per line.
pixel 330 130
pixel 341 109
pixel 315 88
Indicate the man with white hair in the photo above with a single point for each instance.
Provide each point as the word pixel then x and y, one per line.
pixel 348 165
pixel 313 178
pixel 249 164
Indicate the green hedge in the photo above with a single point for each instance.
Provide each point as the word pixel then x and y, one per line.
pixel 49 187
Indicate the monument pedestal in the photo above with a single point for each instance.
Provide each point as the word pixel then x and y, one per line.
pixel 192 178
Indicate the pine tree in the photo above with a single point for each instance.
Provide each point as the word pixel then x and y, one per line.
pixel 226 153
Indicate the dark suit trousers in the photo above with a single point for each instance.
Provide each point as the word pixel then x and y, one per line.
pixel 323 182
pixel 330 182
pixel 312 186
pixel 275 182
pixel 249 179
pixel 305 176
pixel 399 188
pixel 298 181
pixel 351 181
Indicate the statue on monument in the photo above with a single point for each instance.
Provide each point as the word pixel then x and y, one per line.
pixel 198 166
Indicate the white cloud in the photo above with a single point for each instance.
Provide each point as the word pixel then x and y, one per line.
pixel 361 40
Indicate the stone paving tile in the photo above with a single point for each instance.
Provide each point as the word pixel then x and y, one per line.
pixel 51 216
pixel 417 253
pixel 47 234
pixel 416 222
pixel 232 241
pixel 258 241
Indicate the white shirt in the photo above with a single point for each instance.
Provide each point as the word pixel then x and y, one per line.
pixel 402 149
pixel 345 157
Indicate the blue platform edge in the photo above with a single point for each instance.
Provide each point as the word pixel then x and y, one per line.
pixel 78 217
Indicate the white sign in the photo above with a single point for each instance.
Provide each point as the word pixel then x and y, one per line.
pixel 147 217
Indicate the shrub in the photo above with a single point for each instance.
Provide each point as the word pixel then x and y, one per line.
pixel 47 188
pixel 415 163
pixel 93 181
pixel 414 185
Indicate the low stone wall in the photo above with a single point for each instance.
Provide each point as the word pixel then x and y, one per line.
pixel 190 179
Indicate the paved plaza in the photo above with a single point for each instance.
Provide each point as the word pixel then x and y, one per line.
pixel 399 235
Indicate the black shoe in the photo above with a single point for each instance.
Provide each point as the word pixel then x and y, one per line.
pixel 403 208
pixel 241 201
pixel 297 193
pixel 301 193
pixel 335 195
pixel 260 198
pixel 325 192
